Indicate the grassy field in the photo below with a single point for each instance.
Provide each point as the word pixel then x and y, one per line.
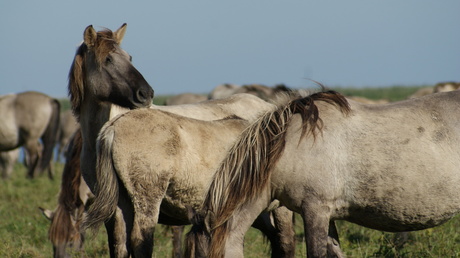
pixel 23 229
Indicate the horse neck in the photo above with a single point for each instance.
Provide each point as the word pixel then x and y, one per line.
pixel 93 116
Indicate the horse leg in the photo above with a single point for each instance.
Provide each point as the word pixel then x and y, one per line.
pixel 120 227
pixel 147 212
pixel 117 235
pixel 316 227
pixel 177 240
pixel 32 157
pixel 51 171
pixel 242 219
pixel 142 235
pixel 333 243
pixel 279 231
pixel 7 161
pixel 283 219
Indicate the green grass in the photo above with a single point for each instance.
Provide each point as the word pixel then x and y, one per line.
pixel 23 229
pixel 393 93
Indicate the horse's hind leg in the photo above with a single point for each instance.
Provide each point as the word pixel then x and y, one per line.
pixel 118 230
pixel 33 149
pixel 142 235
pixel 146 216
pixel 316 218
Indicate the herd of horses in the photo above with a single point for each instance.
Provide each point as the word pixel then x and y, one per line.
pixel 232 162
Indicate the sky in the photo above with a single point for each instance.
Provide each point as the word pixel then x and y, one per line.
pixel 193 46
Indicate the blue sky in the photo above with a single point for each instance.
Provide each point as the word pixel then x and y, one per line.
pixel 192 46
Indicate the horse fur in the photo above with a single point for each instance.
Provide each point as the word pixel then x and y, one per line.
pixel 93 98
pixel 391 167
pixel 27 118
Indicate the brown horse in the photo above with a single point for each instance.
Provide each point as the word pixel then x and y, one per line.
pixel 102 75
pixel 391 167
pixel 27 118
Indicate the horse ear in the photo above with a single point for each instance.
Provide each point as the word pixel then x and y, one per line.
pixel 47 213
pixel 90 36
pixel 191 214
pixel 209 220
pixel 120 33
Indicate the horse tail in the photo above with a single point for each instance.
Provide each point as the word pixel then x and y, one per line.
pixel 245 172
pixel 106 187
pixel 50 136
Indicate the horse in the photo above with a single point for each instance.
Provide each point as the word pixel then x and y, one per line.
pixel 259 90
pixel 166 180
pixel 391 167
pixel 27 118
pixel 185 98
pixel 446 86
pixel 7 161
pixel 223 90
pixel 67 128
pixel 101 78
pixel 64 231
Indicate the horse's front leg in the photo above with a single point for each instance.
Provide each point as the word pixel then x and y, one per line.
pixel 316 217
pixel 278 227
pixel 241 221
pixel 177 241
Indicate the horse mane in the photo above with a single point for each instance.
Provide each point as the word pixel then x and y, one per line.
pixel 245 172
pixel 105 43
pixel 61 230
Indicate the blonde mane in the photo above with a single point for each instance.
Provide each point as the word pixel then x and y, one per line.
pixel 245 173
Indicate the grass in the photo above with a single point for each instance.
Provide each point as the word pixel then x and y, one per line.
pixel 23 229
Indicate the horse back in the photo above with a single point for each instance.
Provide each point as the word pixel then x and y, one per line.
pixel 161 149
pixel 389 167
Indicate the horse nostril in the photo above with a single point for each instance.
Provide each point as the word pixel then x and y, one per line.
pixel 141 96
pixel 144 95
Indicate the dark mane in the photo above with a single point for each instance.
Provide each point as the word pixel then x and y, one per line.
pixel 105 43
pixel 62 229
pixel 245 172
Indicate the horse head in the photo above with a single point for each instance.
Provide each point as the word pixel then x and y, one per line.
pixel 198 239
pixel 102 71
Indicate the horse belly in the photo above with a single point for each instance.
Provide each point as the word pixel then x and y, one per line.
pixel 412 199
pixel 9 134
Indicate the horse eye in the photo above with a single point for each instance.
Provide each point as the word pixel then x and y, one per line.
pixel 108 59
